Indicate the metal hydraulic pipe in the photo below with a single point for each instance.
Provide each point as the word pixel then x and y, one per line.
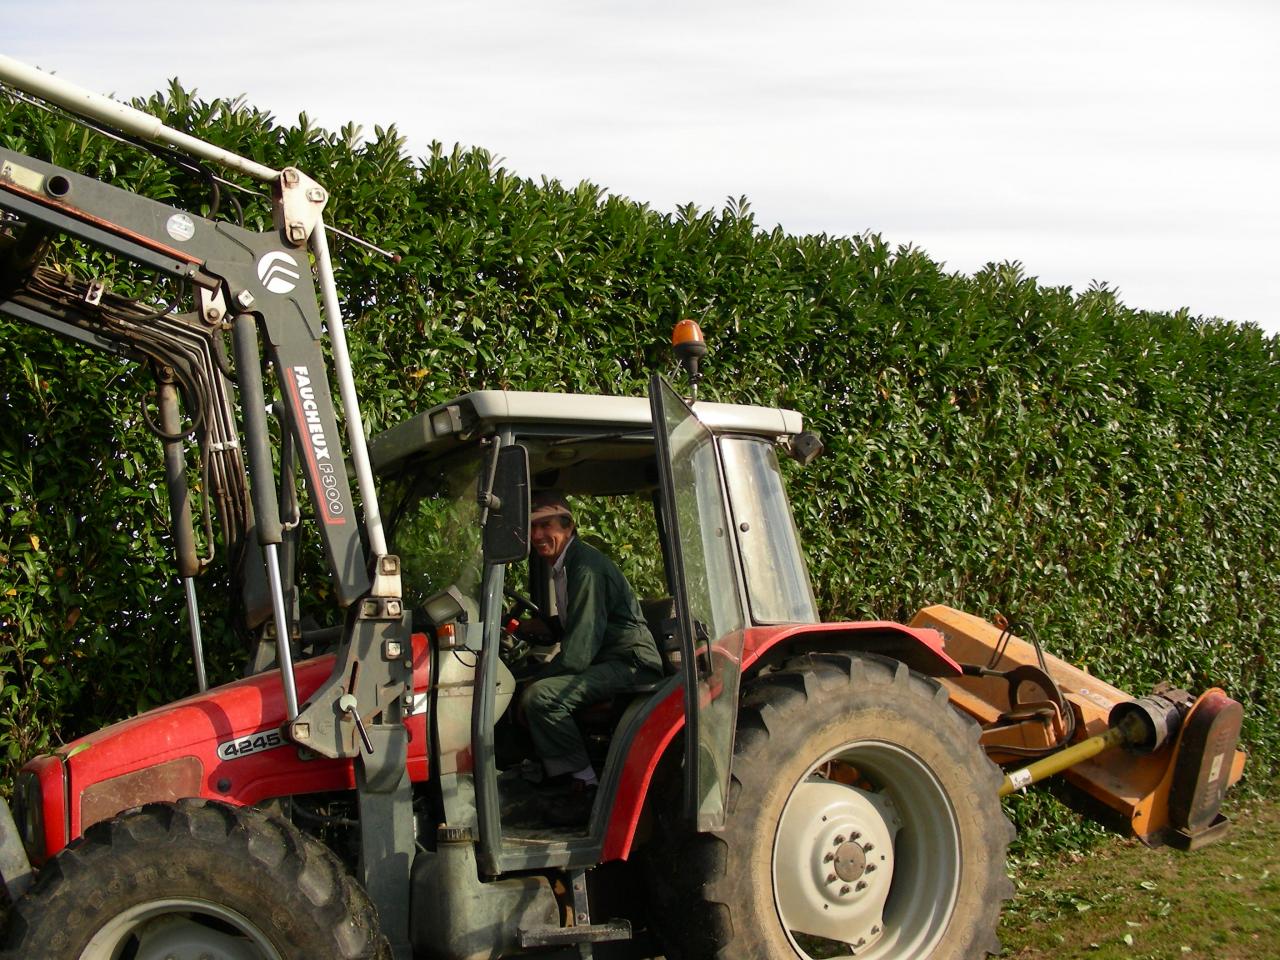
pixel 1127 731
pixel 115 114
pixel 175 475
pixel 184 537
pixel 347 389
pixel 197 642
pixel 284 653
pixel 266 506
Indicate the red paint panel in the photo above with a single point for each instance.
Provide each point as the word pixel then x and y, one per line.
pixel 53 789
pixel 244 718
pixel 637 772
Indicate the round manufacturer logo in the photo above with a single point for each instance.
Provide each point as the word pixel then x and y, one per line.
pixel 278 272
pixel 180 227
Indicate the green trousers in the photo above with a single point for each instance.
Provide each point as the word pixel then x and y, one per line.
pixel 549 704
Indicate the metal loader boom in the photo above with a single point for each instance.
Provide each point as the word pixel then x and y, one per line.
pixel 257 289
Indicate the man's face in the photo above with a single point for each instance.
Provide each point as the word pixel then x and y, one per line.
pixel 548 538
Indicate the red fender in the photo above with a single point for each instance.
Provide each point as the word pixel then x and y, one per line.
pixel 921 649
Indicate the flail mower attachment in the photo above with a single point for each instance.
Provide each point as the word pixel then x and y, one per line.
pixel 1179 751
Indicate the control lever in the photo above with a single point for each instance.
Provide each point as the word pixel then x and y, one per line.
pixel 347 704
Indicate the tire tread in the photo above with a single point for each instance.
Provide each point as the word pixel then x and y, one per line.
pixel 134 857
pixel 703 924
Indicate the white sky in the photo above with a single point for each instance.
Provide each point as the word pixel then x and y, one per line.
pixel 1135 142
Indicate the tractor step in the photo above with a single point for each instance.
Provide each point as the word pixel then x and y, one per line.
pixel 584 933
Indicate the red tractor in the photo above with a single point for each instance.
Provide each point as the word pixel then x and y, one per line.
pixel 788 788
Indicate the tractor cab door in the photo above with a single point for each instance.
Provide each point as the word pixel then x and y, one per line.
pixel 709 607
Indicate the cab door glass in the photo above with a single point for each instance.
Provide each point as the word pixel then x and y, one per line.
pixel 709 604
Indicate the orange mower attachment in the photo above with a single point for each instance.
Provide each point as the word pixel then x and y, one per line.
pixel 1179 752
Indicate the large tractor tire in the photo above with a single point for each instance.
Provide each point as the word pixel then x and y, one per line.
pixel 863 821
pixel 195 881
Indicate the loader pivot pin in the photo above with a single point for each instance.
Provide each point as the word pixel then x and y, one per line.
pixel 347 704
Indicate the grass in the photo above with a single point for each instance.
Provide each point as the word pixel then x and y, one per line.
pixel 1123 901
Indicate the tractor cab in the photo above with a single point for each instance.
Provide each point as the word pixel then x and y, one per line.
pixel 695 515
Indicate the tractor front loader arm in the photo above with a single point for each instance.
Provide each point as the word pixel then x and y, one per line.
pixel 251 333
pixel 242 281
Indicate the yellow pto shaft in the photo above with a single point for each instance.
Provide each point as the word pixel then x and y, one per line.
pixel 1129 730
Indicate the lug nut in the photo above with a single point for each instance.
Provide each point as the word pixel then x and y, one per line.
pixel 838 840
pixel 828 858
pixel 868 848
pixel 862 885
pixel 870 867
pixel 832 878
pixel 844 890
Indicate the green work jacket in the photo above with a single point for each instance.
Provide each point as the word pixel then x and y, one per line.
pixel 603 621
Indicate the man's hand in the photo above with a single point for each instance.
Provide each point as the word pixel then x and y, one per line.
pixel 536 632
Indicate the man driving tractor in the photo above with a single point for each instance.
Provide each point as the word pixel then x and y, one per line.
pixel 605 647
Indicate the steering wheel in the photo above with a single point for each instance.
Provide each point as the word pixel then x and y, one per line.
pixel 513 648
pixel 522 603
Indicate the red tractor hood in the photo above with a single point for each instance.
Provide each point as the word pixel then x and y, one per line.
pixel 224 744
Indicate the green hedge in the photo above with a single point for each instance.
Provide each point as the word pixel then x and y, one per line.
pixel 1104 476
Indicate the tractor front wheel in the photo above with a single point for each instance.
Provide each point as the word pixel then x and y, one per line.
pixel 195 881
pixel 863 821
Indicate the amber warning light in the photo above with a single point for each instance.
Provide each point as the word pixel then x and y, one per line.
pixel 690 348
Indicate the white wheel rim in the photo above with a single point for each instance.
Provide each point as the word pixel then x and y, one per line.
pixel 892 844
pixel 180 929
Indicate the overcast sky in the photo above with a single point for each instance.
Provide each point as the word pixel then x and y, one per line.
pixel 1128 141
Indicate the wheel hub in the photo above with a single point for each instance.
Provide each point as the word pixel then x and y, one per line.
pixel 184 940
pixel 833 862
pixel 851 860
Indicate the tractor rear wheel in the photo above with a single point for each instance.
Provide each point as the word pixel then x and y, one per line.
pixel 863 820
pixel 195 881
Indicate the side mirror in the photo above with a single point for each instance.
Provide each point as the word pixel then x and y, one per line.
pixel 806 447
pixel 506 503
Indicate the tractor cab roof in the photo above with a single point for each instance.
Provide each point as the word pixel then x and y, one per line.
pixel 591 418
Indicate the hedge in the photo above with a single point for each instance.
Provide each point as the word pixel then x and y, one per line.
pixel 1106 477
